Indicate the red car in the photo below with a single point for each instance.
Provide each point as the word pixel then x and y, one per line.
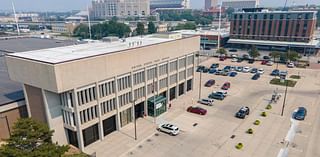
pixel 264 62
pixel 226 86
pixel 197 110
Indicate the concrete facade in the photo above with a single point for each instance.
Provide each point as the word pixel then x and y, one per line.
pixel 85 99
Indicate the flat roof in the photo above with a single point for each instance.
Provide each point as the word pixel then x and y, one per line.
pixel 11 91
pixel 312 43
pixel 73 52
pixel 282 12
pixel 224 33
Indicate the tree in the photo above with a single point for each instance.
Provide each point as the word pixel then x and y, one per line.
pixel 151 28
pixel 253 52
pixel 222 51
pixel 140 28
pixel 274 55
pixel 30 138
pixel 293 55
pixel 82 31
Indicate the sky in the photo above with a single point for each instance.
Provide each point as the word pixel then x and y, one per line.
pixel 68 5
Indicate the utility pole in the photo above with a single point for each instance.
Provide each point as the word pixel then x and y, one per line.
pixel 134 118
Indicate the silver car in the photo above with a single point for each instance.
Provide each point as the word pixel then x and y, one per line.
pixel 168 128
pixel 205 101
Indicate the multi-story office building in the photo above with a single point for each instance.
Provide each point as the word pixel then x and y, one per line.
pixel 273 26
pixel 158 4
pixel 208 4
pixel 102 9
pixel 239 4
pixel 84 92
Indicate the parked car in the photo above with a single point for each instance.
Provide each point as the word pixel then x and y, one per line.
pixel 246 69
pixel 200 68
pixel 251 61
pixel 205 70
pixel 233 50
pixel 197 110
pixel 168 128
pixel 226 86
pixel 206 101
pixel 300 114
pixel 225 73
pixel 233 74
pixel 212 70
pixel 210 83
pixel 243 112
pixel 255 76
pixel 266 57
pixel 222 92
pixel 217 96
pixel 239 69
pixel 234 60
pixel 214 65
pixel 283 73
pixel 269 63
pixel 260 71
pixel 264 62
pixel 290 65
pixel 232 68
pixel 219 72
pixel 254 70
pixel 222 58
pixel 245 57
pixel 239 60
pixel 275 72
pixel 234 56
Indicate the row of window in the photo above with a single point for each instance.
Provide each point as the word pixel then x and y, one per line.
pixel 68 118
pixel 66 99
pixel 163 69
pixel 86 95
pixel 107 88
pixel 272 16
pixel 138 78
pixel 89 114
pixel 124 99
pixel 124 83
pixel 108 106
pixel 151 73
pixel 139 93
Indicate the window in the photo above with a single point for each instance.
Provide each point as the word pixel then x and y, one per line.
pixel 88 114
pixel 190 60
pixel 163 83
pixel 173 79
pixel 182 63
pixel 86 95
pixel 124 99
pixel 173 66
pixel 108 106
pixel 152 88
pixel 107 88
pixel 90 134
pixel 190 72
pixel 124 82
pixel 163 69
pixel 138 78
pixel 182 75
pixel 152 73
pixel 139 93
pixel 67 99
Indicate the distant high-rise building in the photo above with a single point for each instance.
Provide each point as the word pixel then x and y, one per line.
pixel 240 4
pixel 210 3
pixel 181 4
pixel 110 8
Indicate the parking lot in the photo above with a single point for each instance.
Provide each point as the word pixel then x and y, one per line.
pixel 217 132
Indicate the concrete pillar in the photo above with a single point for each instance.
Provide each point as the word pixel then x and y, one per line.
pixel 168 81
pixel 118 123
pixel 100 124
pixel 77 119
pixel 26 100
pixel 146 92
pixel 185 75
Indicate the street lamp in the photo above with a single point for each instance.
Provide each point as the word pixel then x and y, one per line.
pixel 7 122
pixel 134 118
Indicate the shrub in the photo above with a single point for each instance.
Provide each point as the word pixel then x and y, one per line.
pixel 257 122
pixel 269 107
pixel 250 131
pixel 239 145
pixel 264 114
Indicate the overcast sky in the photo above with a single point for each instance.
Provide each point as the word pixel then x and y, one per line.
pixel 67 5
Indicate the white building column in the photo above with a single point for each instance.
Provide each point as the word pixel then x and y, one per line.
pixel 77 119
pixel 100 124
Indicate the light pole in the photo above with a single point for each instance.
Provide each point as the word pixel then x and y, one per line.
pixel 134 118
pixel 285 97
pixel 7 122
pixel 200 85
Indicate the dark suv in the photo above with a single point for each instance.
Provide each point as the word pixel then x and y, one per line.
pixel 300 114
pixel 243 112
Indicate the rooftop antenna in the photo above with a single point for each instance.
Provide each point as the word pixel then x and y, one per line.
pixel 16 19
pixel 90 35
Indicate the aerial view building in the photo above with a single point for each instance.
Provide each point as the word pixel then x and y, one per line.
pixel 158 4
pixel 84 92
pixel 239 4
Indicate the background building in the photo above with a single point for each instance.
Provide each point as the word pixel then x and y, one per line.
pixel 182 4
pixel 273 27
pixel 210 3
pixel 239 4
pixel 102 9
pixel 84 92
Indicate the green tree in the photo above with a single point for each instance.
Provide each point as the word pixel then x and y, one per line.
pixel 274 55
pixel 222 51
pixel 82 31
pixel 151 28
pixel 253 52
pixel 30 138
pixel 140 28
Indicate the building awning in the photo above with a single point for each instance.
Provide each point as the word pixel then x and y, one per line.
pixel 311 44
